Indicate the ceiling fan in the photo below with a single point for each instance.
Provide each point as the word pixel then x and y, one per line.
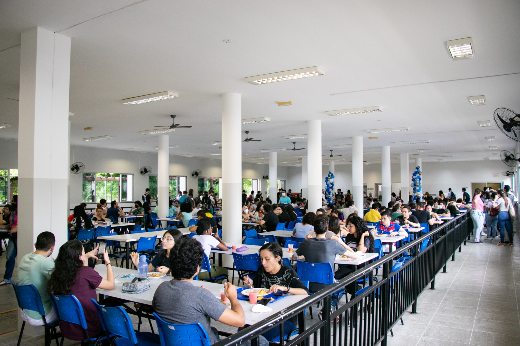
pixel 332 155
pixel 294 147
pixel 174 125
pixel 251 139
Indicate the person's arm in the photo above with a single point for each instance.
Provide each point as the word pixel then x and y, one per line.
pixel 413 224
pixel 342 243
pixel 361 246
pixel 179 216
pixel 222 246
pixel 235 316
pixel 193 228
pixel 109 282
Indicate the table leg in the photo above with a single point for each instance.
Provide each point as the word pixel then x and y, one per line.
pixel 127 246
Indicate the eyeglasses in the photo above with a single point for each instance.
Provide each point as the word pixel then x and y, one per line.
pixel 167 239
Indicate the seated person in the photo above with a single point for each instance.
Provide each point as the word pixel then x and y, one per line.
pixel 202 215
pixel 373 215
pixel 396 208
pixel 161 261
pixel 171 209
pixel 186 213
pixel 302 229
pixel 422 215
pixel 350 208
pixel 178 301
pixel 434 215
pixel 328 234
pixel 99 218
pixel 115 211
pixel 407 219
pixel 103 203
pixel 137 209
pixel 208 242
pixel 320 211
pixel 81 219
pixel 452 207
pixel 441 210
pixel 284 199
pixel 387 227
pixel 72 275
pixel 270 220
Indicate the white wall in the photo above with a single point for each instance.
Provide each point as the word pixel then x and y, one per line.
pixel 436 175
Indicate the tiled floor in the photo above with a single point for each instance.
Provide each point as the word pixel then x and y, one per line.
pixel 474 303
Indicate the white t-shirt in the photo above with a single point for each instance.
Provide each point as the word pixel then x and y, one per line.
pixel 502 204
pixel 207 241
pixel 348 211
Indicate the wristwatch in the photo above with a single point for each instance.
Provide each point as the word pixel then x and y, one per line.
pixel 288 289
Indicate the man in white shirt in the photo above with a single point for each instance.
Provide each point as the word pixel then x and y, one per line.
pixel 208 242
pixel 349 209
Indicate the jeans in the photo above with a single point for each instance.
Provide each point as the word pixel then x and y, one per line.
pixel 491 224
pixel 10 257
pixel 504 222
pixel 478 224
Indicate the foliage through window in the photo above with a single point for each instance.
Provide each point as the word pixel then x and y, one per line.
pixel 8 185
pixel 176 184
pixel 109 186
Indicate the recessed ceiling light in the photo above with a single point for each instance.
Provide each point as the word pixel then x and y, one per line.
pixel 4 126
pixel 285 75
pixel 395 129
pixel 156 131
pixel 285 103
pixel 186 155
pixel 137 100
pixel 373 153
pixel 355 111
pixel 477 100
pixel 372 137
pixel 216 154
pixel 269 150
pixel 461 48
pixel 177 146
pixel 338 147
pixel 412 142
pixel 295 136
pixel 98 138
pixel 217 143
pixel 131 149
pixel 485 123
pixel 255 120
pixel 441 160
pixel 493 147
pixel 441 155
pixel 490 138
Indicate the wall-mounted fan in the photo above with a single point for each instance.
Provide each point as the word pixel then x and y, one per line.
pixel 508 158
pixel 77 168
pixel 196 173
pixel 294 147
pixel 508 122
pixel 251 139
pixel 508 173
pixel 145 170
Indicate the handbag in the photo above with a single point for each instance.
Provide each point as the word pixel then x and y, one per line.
pixel 494 211
pixel 512 213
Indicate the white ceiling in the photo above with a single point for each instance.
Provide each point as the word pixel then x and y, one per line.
pixel 388 54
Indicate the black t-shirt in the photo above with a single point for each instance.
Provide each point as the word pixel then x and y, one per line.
pixel 352 242
pixel 244 198
pixel 284 217
pixel 411 218
pixel 286 276
pixel 422 215
pixel 453 210
pixel 271 221
pixel 211 221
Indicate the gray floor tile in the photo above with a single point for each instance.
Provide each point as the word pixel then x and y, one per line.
pixel 492 326
pixel 447 333
pixel 490 339
pixel 462 322
pixel 506 316
pixel 437 342
pixel 403 339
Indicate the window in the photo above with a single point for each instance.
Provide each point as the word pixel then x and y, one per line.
pixel 8 185
pixel 280 184
pixel 176 184
pixel 247 185
pixel 109 186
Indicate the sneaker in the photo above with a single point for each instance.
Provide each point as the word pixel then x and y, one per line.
pixel 511 244
pixel 501 244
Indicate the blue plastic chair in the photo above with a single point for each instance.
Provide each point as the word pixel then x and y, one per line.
pixel 297 239
pixel 426 227
pixel 219 231
pixel 371 223
pixel 137 229
pixel 181 334
pixel 29 298
pixel 246 264
pixel 111 218
pixel 253 241
pixel 296 244
pixel 86 234
pixel 290 225
pixel 155 222
pixel 193 222
pixel 321 273
pixel 424 244
pixel 207 267
pixel 280 226
pixel 115 321
pixel 146 245
pixel 102 231
pixel 192 234
pixel 269 238
pixel 252 234
pixel 286 262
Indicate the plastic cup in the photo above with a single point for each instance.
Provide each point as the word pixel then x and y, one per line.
pixel 291 247
pixel 253 297
pixel 223 296
pixel 234 247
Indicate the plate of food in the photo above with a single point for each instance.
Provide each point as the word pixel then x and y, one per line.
pixel 259 291
pixel 155 275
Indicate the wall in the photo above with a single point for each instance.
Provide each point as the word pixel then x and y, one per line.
pixel 436 175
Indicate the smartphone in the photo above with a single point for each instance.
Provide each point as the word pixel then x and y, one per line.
pixel 101 249
pixel 264 301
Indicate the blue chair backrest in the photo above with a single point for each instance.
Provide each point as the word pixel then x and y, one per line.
pixel 152 214
pixel 424 244
pixel 29 298
pixel 269 238
pixel 86 234
pixel 192 234
pixel 371 223
pixel 115 320
pixel 291 224
pixel 426 227
pixel 378 247
pixel 298 212
pixel 280 226
pixel 253 241
pixel 297 239
pixel 111 218
pixel 137 229
pixel 205 264
pixel 321 273
pixel 102 231
pixel 219 231
pixel 69 309
pixel 286 261
pixel 181 334
pixel 247 262
pixel 193 222
pixel 296 244
pixel 251 234
pixel 146 243
pixel 155 222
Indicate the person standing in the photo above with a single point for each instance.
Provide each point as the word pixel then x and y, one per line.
pixel 145 195
pixel 504 219
pixel 465 196
pixel 477 215
pixel 493 210
pixel 11 246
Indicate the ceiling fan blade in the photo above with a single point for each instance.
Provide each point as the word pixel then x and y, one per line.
pixel 255 140
pixel 299 149
pixel 184 127
pixel 161 126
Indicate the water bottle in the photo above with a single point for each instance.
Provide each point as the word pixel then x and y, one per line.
pixel 142 268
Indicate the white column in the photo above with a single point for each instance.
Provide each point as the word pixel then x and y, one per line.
pixel 231 168
pixel 163 176
pixel 418 163
pixel 386 175
pixel 273 176
pixel 405 177
pixel 43 137
pixel 331 167
pixel 314 164
pixel 516 178
pixel 305 192
pixel 357 174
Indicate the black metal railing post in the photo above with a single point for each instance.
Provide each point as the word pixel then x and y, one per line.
pixel 385 300
pixel 415 284
pixel 325 335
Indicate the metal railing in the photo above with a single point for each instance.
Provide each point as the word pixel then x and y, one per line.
pixel 368 317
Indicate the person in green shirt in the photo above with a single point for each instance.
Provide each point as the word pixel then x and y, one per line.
pixel 36 269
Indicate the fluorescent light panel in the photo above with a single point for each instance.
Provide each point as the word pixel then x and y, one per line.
pixel 255 120
pixel 177 146
pixel 485 123
pixel 493 147
pixel 156 131
pixel 461 48
pixel 412 142
pixel 339 146
pixel 4 126
pixel 285 75
pixel 269 150
pixel 217 143
pixel 98 138
pixel 355 111
pixel 295 136
pixel 137 100
pixel 490 138
pixel 395 129
pixel 216 154
pixel 477 100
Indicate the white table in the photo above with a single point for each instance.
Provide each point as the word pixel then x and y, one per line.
pixel 391 240
pixel 170 219
pixel 249 223
pixel 413 231
pixel 133 237
pixel 283 234
pixel 147 297
pixel 114 225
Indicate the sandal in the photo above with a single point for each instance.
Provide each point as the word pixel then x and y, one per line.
pixel 5 282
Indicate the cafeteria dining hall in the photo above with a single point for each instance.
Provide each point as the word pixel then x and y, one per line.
pixel 194 173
